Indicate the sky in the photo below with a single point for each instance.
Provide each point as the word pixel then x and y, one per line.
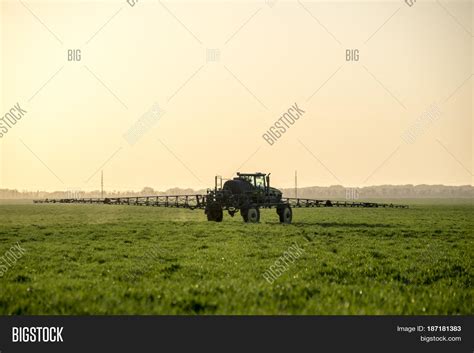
pixel 171 93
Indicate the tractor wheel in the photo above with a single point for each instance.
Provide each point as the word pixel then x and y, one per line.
pixel 253 215
pixel 210 215
pixel 286 214
pixel 243 213
pixel 219 215
pixel 215 215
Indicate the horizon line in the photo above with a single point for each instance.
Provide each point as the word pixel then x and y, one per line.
pixel 77 189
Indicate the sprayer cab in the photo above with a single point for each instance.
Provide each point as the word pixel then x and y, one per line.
pixel 257 180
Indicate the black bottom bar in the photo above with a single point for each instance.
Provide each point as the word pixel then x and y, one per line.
pixel 245 334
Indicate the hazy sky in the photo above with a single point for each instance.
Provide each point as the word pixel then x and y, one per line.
pixel 223 73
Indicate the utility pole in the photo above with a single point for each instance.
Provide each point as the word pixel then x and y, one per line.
pixel 102 184
pixel 296 184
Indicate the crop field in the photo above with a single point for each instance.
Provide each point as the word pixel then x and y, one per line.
pixel 102 259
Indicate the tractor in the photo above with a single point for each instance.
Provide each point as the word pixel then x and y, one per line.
pixel 247 193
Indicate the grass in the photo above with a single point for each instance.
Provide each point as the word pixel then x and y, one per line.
pixel 99 259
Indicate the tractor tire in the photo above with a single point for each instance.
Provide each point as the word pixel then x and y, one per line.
pixel 215 215
pixel 286 214
pixel 253 215
pixel 219 215
pixel 210 216
pixel 243 213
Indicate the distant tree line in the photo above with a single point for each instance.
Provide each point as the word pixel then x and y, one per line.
pixel 313 192
pixel 15 194
pixel 383 191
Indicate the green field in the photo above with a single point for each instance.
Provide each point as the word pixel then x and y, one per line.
pixel 99 259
